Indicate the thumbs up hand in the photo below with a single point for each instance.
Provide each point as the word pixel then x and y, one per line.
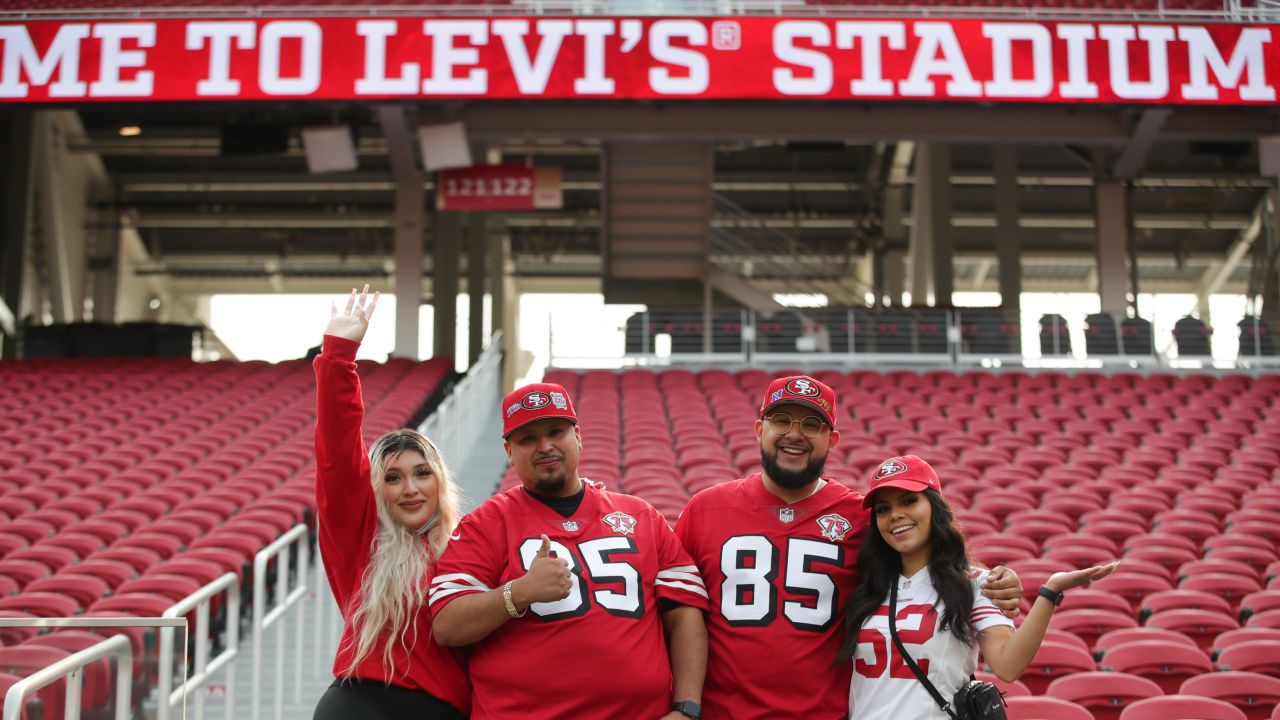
pixel 548 578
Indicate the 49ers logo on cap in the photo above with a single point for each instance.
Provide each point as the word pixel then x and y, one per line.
pixel 889 469
pixel 536 400
pixel 834 527
pixel 620 522
pixel 803 387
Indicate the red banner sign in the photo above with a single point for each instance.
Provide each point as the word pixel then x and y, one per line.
pixel 731 58
pixel 499 187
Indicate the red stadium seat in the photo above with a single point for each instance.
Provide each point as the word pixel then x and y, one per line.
pixel 1181 706
pixel 23 660
pixel 1013 689
pixel 1264 619
pixel 1182 599
pixel 1200 625
pixel 84 589
pixel 41 604
pixel 1260 601
pixel 113 572
pixel 1104 694
pixel 1245 634
pixel 33 708
pixel 98 684
pixel 1055 660
pixel 1089 625
pixel 1232 588
pixel 1131 586
pixel 23 572
pixel 1165 662
pixel 1254 694
pixel 1046 708
pixel 1259 656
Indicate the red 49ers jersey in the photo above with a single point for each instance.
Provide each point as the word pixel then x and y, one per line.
pixel 598 653
pixel 778 576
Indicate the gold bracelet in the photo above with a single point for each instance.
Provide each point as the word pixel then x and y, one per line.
pixel 511 606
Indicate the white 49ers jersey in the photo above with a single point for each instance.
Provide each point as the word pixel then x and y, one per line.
pixel 883 685
pixel 778 576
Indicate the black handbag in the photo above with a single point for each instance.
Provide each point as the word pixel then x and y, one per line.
pixel 975 700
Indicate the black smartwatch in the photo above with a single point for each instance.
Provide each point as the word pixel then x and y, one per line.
pixel 688 708
pixel 1051 596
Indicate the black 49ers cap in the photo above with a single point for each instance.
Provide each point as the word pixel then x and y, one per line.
pixel 535 402
pixel 801 390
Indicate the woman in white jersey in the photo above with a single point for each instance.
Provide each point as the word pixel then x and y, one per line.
pixel 942 618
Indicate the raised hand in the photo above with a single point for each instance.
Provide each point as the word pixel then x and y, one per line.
pixel 1058 582
pixel 353 321
pixel 548 578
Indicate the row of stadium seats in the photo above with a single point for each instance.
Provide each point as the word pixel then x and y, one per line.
pixel 1142 5
pixel 1177 475
pixel 126 485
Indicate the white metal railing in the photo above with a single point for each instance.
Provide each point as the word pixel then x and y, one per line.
pixel 282 550
pixel 328 630
pixel 462 417
pixel 200 601
pixel 71 668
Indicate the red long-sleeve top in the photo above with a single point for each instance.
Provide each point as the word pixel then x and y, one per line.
pixel 348 523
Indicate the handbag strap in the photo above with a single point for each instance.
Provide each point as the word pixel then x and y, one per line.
pixel 911 663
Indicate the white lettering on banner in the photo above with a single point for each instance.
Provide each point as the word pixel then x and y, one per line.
pixel 115 58
pixel 1203 55
pixel 1123 85
pixel 220 36
pixel 938 54
pixel 375 80
pixel 273 36
pixel 1078 85
pixel 699 73
pixel 818 64
pixel 532 75
pixel 63 56
pixel 446 55
pixel 892 34
pixel 593 80
pixel 1003 84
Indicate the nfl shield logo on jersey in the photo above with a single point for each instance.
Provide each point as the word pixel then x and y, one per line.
pixel 570 525
pixel 620 522
pixel 786 515
pixel 834 527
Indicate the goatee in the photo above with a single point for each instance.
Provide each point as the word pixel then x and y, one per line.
pixel 792 479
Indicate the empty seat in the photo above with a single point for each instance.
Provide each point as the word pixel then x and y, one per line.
pixel 1104 694
pixel 1100 335
pixel 1192 337
pixel 1259 656
pixel 1164 662
pixel 1046 708
pixel 1200 625
pixel 1055 660
pixel 1254 694
pixel 1181 706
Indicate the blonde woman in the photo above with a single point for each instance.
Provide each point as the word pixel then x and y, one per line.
pixel 385 517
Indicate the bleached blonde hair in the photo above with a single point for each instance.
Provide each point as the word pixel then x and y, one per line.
pixel 395 583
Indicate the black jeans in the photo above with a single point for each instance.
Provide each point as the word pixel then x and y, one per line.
pixel 357 699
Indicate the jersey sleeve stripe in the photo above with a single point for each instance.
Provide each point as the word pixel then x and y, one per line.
pixel 678 574
pixel 441 593
pixel 687 587
pixel 463 578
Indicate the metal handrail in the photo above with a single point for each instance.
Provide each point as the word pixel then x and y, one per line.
pixel 113 647
pixel 204 667
pixel 286 599
pixel 461 417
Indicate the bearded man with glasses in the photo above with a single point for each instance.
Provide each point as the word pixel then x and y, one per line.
pixel 777 551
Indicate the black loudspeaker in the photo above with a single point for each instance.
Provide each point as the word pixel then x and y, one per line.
pixel 97 340
pixel 254 139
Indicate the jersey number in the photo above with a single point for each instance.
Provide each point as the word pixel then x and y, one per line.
pixel 600 557
pixel 886 652
pixel 749 595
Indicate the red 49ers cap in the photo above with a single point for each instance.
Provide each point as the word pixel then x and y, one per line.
pixel 801 390
pixel 535 402
pixel 906 472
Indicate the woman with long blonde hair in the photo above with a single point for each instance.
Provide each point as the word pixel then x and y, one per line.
pixel 385 517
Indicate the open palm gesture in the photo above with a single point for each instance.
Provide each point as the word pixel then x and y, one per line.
pixel 352 322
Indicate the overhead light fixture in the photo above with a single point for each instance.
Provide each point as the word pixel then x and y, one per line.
pixel 329 148
pixel 444 146
pixel 130 130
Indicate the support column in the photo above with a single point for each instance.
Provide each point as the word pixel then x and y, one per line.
pixel 410 219
pixel 1008 244
pixel 15 215
pixel 1111 206
pixel 477 247
pixel 895 276
pixel 52 228
pixel 104 265
pixel 444 282
pixel 931 245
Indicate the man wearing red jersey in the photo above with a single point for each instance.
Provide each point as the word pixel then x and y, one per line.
pixel 778 552
pixel 566 591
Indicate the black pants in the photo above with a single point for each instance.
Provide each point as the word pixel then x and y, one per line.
pixel 357 699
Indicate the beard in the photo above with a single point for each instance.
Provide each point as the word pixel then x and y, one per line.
pixel 792 479
pixel 551 485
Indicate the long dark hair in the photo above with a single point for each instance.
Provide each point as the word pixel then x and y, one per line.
pixel 949 567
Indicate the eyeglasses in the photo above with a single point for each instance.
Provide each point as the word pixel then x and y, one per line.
pixel 810 425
